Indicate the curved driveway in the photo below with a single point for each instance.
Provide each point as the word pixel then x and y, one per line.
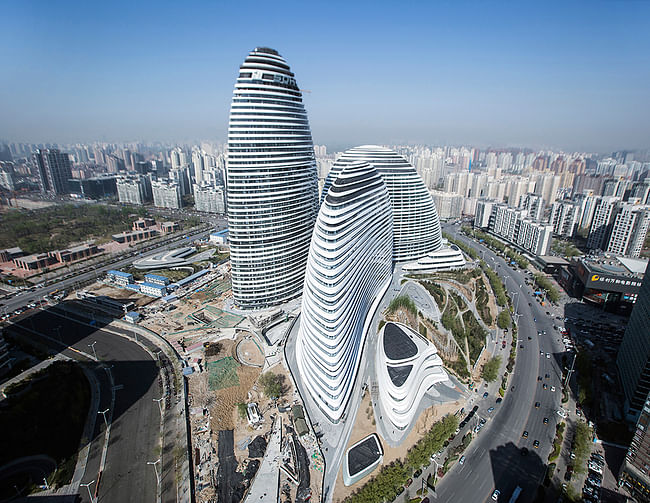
pixel 494 459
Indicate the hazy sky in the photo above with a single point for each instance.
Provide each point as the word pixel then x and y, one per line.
pixel 573 75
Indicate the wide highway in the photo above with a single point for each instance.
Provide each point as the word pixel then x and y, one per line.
pixel 496 458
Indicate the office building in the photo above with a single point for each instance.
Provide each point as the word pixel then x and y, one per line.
pixel 166 194
pixel 272 184
pixel 635 472
pixel 54 169
pixel 633 360
pixel 348 270
pixel 416 229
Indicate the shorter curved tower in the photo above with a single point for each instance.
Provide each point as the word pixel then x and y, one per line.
pixel 348 269
pixel 415 219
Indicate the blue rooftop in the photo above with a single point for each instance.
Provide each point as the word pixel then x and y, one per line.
pixel 157 277
pixel 153 285
pixel 220 233
pixel 132 314
pixel 120 273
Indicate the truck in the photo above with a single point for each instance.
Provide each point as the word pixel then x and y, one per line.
pixel 515 495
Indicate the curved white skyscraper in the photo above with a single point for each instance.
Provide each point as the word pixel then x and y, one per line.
pixel 272 183
pixel 416 225
pixel 348 270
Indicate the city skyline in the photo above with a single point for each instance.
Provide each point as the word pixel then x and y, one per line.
pixel 535 77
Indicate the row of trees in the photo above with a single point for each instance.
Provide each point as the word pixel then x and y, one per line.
pixel 384 486
pixel 403 302
pixel 497 245
pixel 543 282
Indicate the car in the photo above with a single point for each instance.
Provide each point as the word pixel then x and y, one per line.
pixel 525 434
pixel 490 409
pixel 548 355
pixel 499 400
pixel 408 482
pixel 417 473
pixel 539 378
pixel 553 389
pixel 485 395
pixel 536 444
pixel 545 420
pixel 461 461
pixel 537 404
pixel 541 353
pixel 521 346
pixel 495 495
pixel 475 408
pixel 545 386
pixel 535 319
pixel 547 376
pixel 530 338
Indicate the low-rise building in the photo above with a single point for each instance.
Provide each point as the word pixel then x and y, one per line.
pixel 143 223
pixel 10 253
pixel 153 290
pixel 156 279
pixel 133 236
pixel 74 253
pixel 220 237
pixel 119 277
pixel 33 262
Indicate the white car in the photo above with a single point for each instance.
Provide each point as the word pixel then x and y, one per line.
pixel 548 355
pixel 553 388
pixel 495 495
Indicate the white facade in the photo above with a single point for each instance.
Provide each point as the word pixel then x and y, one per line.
pixel 629 230
pixel 565 217
pixel 600 225
pixel 131 190
pixel 416 225
pixel 166 194
pixel 272 195
pixel 445 259
pixel 448 206
pixel 348 270
pixel 534 237
pixel 209 199
pixel 407 366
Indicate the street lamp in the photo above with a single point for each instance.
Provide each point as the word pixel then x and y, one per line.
pixel 103 413
pixel 87 486
pixel 154 463
pixel 159 404
pixel 93 347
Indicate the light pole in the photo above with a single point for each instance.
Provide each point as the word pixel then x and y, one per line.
pixel 103 413
pixel 159 404
pixel 87 486
pixel 93 347
pixel 154 463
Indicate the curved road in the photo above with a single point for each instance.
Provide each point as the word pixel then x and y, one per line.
pixel 494 459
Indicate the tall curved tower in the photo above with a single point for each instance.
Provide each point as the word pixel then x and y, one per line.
pixel 416 224
pixel 272 183
pixel 349 268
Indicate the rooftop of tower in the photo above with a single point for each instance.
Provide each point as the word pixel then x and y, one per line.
pixel 267 50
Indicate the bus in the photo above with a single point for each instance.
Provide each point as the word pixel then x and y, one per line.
pixel 515 495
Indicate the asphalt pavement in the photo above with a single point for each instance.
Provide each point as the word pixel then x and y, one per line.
pixel 494 459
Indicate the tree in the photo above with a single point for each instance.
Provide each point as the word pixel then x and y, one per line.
pixel 272 384
pixel 503 320
pixel 491 368
pixel 242 410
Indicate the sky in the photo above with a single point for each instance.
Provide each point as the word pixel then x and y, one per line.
pixel 566 75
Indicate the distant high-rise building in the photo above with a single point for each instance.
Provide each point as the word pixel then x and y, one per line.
pixel 601 223
pixel 133 189
pixel 166 194
pixel 565 217
pixel 633 360
pixel 209 199
pixel 272 184
pixel 54 170
pixel 629 229
pixel 534 206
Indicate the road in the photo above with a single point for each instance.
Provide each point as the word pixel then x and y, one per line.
pixel 22 299
pixel 134 418
pixel 494 459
